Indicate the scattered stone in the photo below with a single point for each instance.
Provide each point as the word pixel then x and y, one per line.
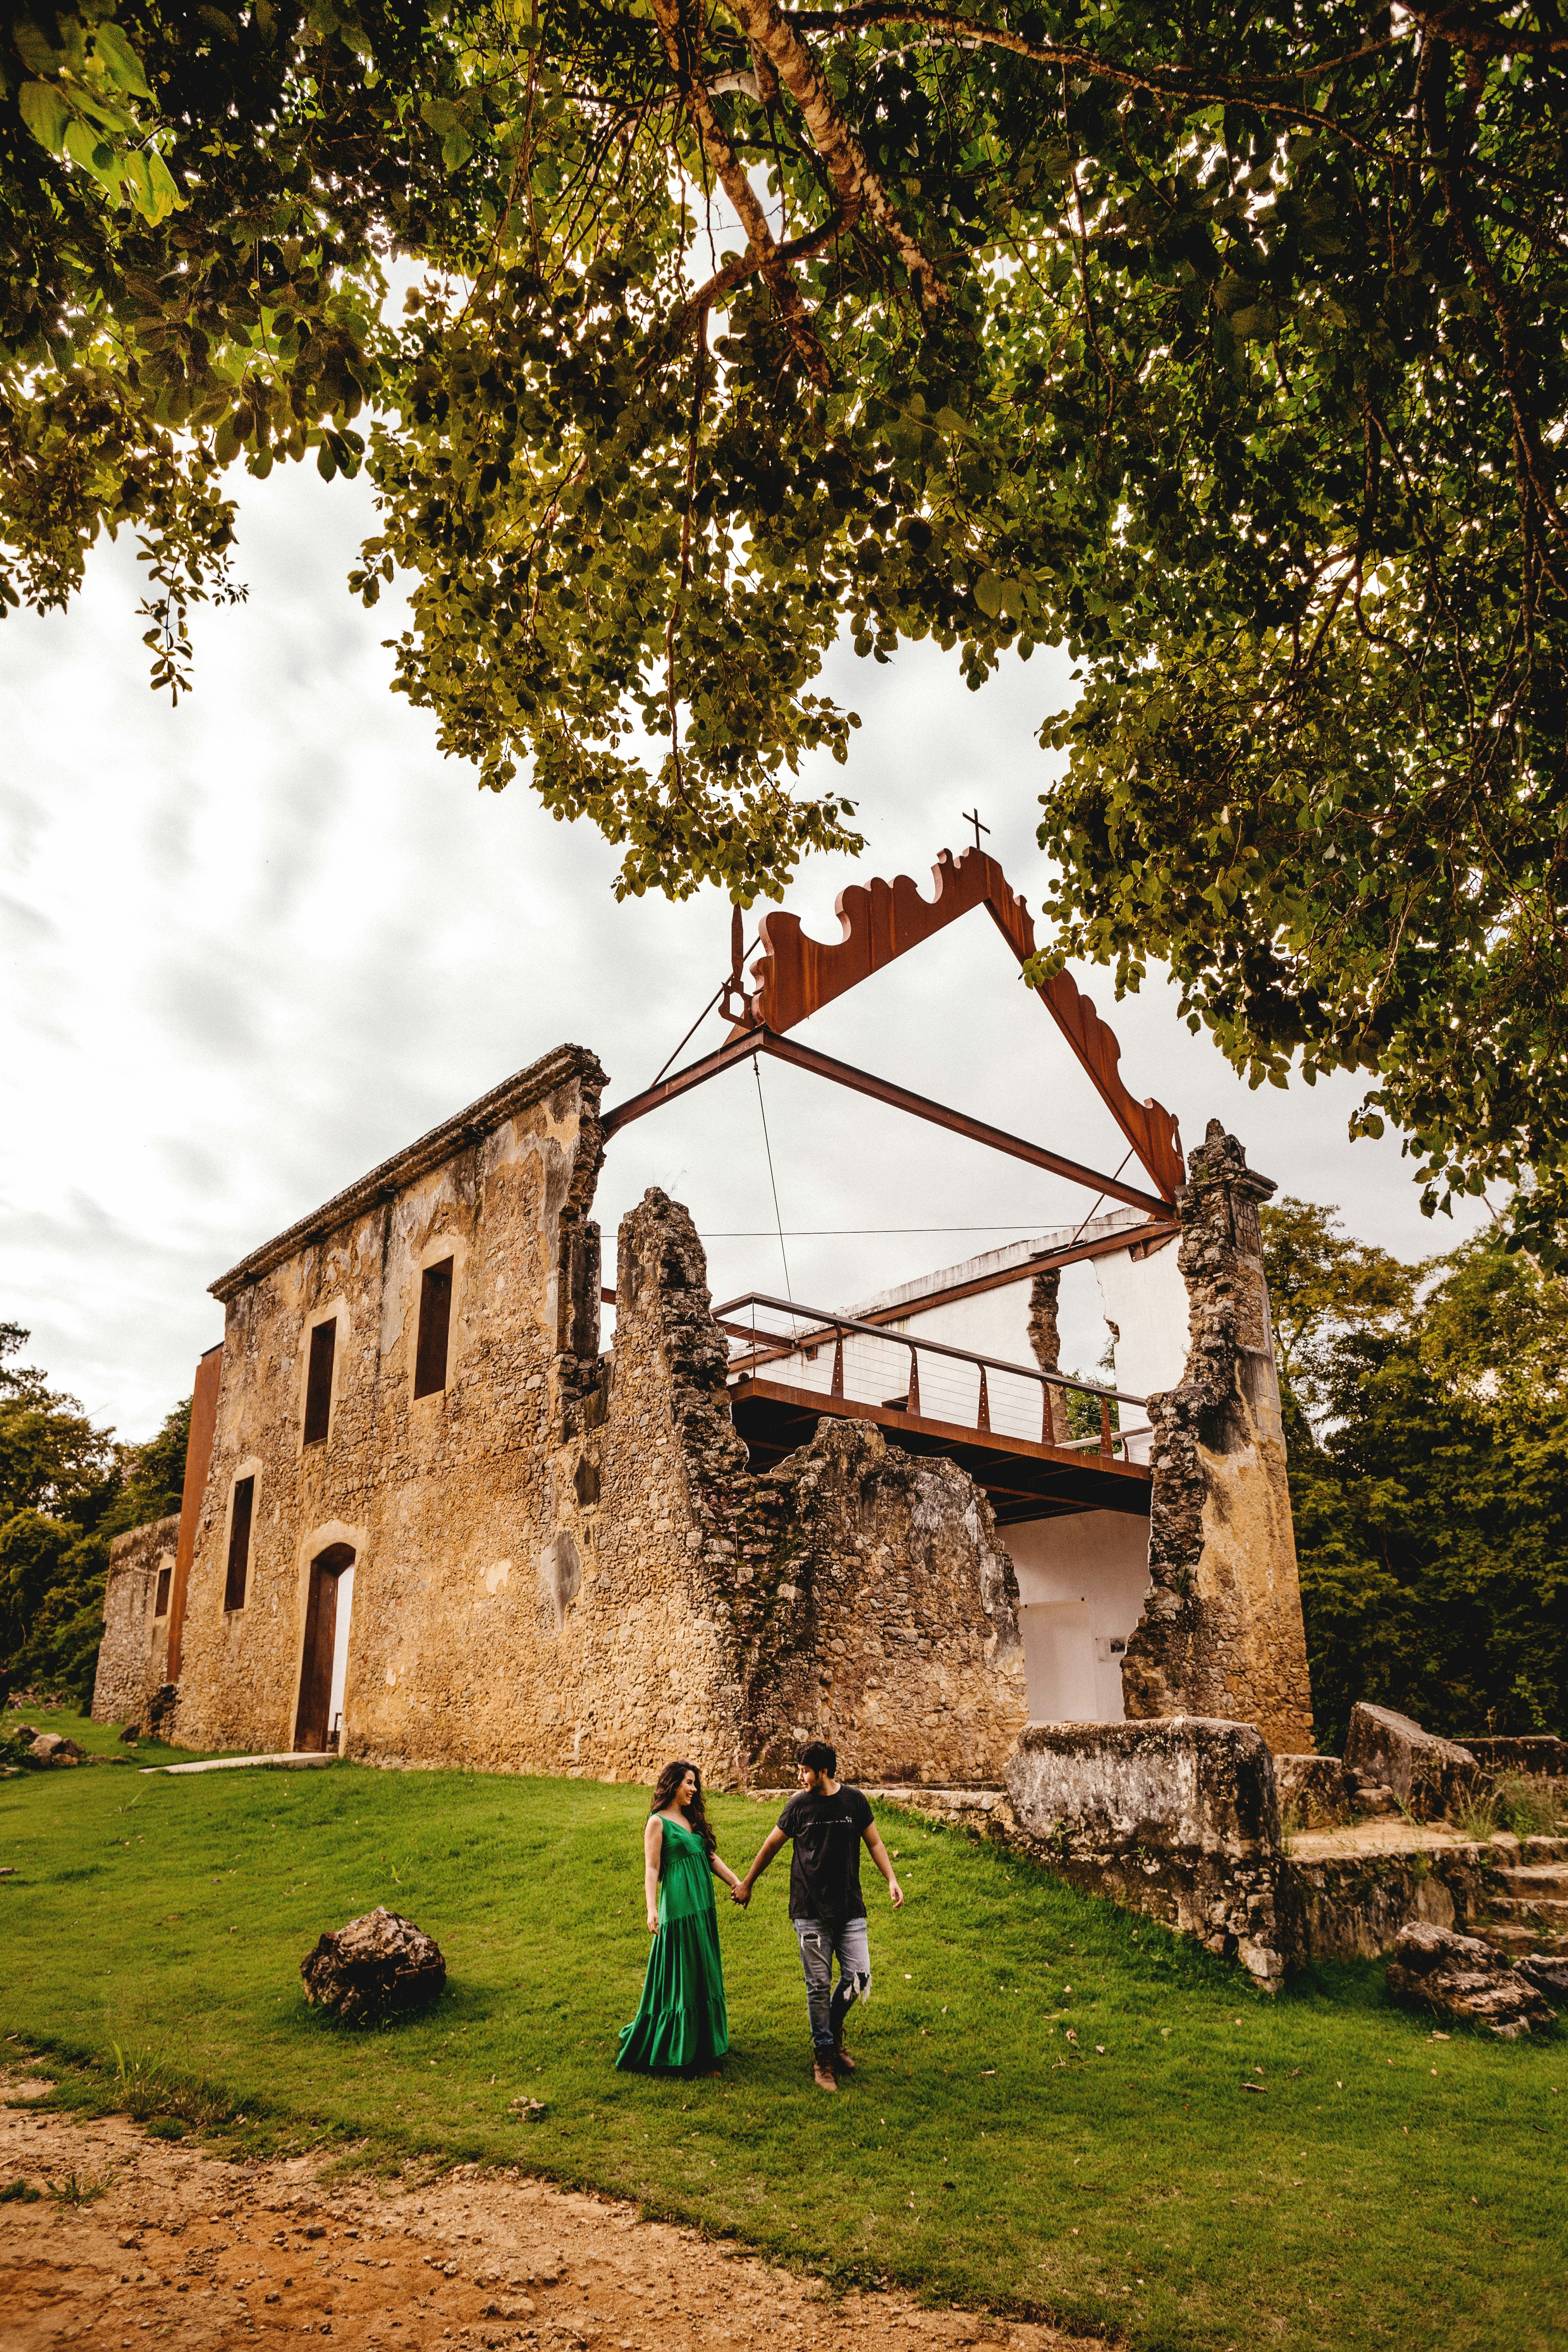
pixel 131 1735
pixel 376 1963
pixel 1428 1776
pixel 1314 1790
pixel 52 1747
pixel 1548 1972
pixel 1459 1977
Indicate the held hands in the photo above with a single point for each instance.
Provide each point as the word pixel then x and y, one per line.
pixel 741 1892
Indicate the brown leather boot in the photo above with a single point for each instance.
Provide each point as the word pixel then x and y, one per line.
pixel 842 2061
pixel 822 2074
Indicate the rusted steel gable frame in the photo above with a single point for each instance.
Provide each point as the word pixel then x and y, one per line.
pixel 796 975
pixel 746 1043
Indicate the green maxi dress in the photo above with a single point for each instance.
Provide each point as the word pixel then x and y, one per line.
pixel 681 2021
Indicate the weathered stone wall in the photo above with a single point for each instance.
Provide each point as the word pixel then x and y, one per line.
pixel 1178 1819
pixel 460 1507
pixel 1221 1633
pixel 135 1641
pixel 881 1612
pixel 853 1592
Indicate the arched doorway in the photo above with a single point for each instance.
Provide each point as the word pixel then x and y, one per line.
pixel 331 1585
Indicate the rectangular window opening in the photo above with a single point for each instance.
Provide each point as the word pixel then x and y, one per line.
pixel 161 1598
pixel 318 1382
pixel 434 1323
pixel 239 1543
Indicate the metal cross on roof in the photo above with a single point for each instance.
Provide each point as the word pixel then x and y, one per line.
pixel 972 816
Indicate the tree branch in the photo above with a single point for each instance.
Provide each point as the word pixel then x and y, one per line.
pixel 858 188
pixel 762 252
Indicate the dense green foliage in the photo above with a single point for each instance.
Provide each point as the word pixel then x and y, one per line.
pixel 1382 2188
pixel 1427 1421
pixel 1225 345
pixel 66 1489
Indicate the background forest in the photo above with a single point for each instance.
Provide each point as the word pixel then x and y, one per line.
pixel 1427 1414
pixel 65 1490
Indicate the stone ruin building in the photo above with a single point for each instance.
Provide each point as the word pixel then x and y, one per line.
pixel 430 1519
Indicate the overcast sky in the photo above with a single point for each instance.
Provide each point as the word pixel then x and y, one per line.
pixel 253 945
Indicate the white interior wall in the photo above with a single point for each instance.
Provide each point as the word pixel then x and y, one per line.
pixel 993 1323
pixel 341 1647
pixel 1081 1582
pixel 1146 1299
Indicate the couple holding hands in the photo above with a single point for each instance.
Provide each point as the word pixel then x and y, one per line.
pixel 682 2026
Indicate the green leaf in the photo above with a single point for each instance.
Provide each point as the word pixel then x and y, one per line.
pixel 45 114
pixel 124 67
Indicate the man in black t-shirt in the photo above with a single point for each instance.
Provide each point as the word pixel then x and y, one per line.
pixel 826 1823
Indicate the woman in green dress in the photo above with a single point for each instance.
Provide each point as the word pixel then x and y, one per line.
pixel 682 2026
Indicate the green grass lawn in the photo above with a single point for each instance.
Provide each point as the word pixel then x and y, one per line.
pixel 1381 2189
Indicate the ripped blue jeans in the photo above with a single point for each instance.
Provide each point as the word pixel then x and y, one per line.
pixel 820 1942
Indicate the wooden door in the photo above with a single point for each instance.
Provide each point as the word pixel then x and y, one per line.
pixel 311 1726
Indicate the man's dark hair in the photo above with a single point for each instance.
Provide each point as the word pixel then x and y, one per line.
pixel 817 1756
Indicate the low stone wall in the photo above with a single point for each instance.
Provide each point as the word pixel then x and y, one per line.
pixel 1352 1907
pixel 136 1639
pixel 1177 1817
pixel 1539 1756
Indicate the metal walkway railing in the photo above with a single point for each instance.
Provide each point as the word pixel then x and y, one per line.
pixel 960 1386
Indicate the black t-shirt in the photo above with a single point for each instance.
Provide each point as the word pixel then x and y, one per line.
pixel 825 1868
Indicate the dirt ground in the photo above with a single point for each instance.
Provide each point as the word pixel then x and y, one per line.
pixel 191 2250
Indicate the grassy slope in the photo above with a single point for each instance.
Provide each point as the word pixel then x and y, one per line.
pixel 1383 2188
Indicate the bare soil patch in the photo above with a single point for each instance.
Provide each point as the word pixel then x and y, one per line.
pixel 193 2250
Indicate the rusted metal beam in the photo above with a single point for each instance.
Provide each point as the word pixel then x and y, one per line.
pixel 882 1090
pixel 696 1073
pixel 1144 1236
pixel 947 1432
pixel 957 1122
pixel 198 1460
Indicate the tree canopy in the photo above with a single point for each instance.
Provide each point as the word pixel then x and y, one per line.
pixel 1225 346
pixel 1430 1483
pixel 66 1489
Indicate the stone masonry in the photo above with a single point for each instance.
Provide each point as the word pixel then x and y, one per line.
pixel 561 1562
pixel 1221 1633
pixel 135 1629
pixel 562 1559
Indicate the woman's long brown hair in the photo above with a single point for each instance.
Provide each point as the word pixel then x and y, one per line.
pixel 664 1790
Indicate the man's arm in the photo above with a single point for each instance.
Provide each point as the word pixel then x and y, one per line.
pixel 770 1845
pixel 873 1837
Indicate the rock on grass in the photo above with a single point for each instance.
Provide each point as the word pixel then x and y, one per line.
pixel 1458 1976
pixel 373 1964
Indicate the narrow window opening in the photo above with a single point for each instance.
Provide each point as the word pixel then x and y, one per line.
pixel 239 1543
pixel 161 1598
pixel 318 1382
pixel 434 1322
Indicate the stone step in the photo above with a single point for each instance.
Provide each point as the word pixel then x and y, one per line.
pixel 1544 1849
pixel 1551 1912
pixel 1503 1936
pixel 1523 1878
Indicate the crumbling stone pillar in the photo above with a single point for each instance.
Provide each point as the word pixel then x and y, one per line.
pixel 1221 1633
pixel 1045 1338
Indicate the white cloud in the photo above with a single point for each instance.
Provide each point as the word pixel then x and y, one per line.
pixel 254 945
